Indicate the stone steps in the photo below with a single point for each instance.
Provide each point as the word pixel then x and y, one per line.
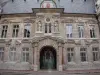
pixel 48 72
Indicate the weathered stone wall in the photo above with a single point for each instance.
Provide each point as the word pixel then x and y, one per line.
pixel 58 40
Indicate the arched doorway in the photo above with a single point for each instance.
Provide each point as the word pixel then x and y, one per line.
pixel 48 58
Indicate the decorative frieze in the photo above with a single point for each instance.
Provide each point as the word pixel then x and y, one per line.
pixel 5 21
pixel 28 20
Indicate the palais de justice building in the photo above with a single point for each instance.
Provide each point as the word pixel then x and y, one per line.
pixel 49 34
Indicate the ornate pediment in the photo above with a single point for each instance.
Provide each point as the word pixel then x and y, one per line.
pixel 77 42
pixel 5 21
pixel 40 16
pixel 68 21
pixel 15 42
pixel 28 20
pixel 94 41
pixel 12 42
pixel 70 41
pixel 25 41
pixel 87 42
pixel 2 41
pixel 8 42
pixel 37 39
pixel 56 16
pixel 91 21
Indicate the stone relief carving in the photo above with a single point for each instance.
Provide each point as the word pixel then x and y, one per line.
pixel 28 20
pixel 71 41
pixel 2 41
pixel 55 16
pixel 56 26
pixel 38 39
pixel 68 21
pixel 87 42
pixel 39 26
pixel 15 43
pixel 5 21
pixel 80 20
pixel 94 41
pixel 26 41
pixel 91 21
pixel 40 16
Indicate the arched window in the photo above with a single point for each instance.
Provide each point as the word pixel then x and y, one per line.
pixel 48 28
pixel 27 30
pixel 12 54
pixel 92 31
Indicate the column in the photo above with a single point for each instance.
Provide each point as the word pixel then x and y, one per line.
pixel 35 57
pixel 64 57
pixel 60 57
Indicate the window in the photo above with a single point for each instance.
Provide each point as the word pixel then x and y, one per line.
pixel 95 51
pixel 27 30
pixel 80 31
pixel 25 55
pixel 69 31
pixel 83 54
pixel 15 31
pixel 12 54
pixel 48 28
pixel 4 31
pixel 1 53
pixel 70 54
pixel 92 32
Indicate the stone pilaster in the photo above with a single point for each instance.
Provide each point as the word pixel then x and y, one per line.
pixel 86 30
pixel 6 54
pixel 77 55
pixel 9 31
pixel 64 57
pixel 18 52
pixel 89 53
pixel 21 30
pixel 35 57
pixel 60 56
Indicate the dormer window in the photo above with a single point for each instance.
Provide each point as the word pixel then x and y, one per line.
pixel 48 28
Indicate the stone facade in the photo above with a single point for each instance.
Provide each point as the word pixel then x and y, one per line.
pixel 56 38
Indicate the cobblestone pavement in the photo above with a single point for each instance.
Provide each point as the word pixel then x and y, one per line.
pixel 46 73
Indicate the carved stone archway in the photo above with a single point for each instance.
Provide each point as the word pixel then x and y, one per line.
pixel 48 59
pixel 40 42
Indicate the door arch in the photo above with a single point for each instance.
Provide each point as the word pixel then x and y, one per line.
pixel 48 58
